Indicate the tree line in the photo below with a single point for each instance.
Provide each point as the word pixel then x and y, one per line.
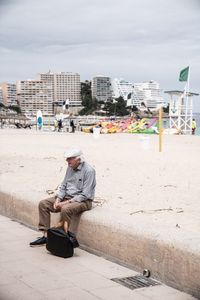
pixel 91 105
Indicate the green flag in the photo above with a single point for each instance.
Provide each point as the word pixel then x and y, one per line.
pixel 184 74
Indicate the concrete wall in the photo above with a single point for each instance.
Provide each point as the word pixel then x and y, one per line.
pixel 98 232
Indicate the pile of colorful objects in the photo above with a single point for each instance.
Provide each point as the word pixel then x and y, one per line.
pixel 129 125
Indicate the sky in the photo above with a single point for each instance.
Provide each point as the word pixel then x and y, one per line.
pixel 137 40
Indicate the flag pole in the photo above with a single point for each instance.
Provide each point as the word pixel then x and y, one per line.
pixel 188 79
pixel 187 92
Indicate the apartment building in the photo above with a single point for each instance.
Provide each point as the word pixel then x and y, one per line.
pixel 121 88
pixel 66 87
pixel 102 88
pixel 1 95
pixel 148 93
pixel 34 95
pixel 9 93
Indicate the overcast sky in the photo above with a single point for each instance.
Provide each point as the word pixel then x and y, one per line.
pixel 138 40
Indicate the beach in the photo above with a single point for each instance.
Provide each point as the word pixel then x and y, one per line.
pixel 133 177
pixel 153 194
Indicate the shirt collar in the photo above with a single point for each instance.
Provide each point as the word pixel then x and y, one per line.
pixel 79 167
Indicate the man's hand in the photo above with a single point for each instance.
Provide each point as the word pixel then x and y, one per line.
pixel 57 203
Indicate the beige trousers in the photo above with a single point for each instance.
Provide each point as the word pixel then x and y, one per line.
pixel 66 212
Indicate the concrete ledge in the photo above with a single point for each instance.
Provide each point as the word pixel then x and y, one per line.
pixel 173 266
pixel 116 239
pixel 18 209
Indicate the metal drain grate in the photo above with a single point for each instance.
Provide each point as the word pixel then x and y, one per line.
pixel 136 282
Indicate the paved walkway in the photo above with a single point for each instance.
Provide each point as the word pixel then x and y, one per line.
pixel 32 273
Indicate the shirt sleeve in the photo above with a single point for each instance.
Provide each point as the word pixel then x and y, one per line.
pixel 88 189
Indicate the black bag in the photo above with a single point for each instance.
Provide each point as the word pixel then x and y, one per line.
pixel 60 243
pixel 73 239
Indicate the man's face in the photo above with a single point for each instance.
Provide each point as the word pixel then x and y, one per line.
pixel 73 162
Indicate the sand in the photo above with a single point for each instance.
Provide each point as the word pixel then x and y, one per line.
pixel 134 179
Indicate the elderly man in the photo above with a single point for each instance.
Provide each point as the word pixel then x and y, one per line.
pixel 75 195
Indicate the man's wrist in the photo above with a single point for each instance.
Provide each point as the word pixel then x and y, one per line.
pixel 72 200
pixel 58 199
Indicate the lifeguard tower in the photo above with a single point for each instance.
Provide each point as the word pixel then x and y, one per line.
pixel 181 110
pixel 181 106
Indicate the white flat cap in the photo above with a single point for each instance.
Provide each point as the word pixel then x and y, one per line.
pixel 73 152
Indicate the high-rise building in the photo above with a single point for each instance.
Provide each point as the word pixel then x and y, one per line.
pixel 34 95
pixel 9 93
pixel 101 88
pixel 148 93
pixel 1 95
pixel 121 88
pixel 66 87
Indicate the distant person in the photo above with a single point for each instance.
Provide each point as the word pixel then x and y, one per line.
pixel 55 125
pixel 75 195
pixel 59 125
pixel 39 122
pixel 194 126
pixel 72 126
pixel 78 126
pixel 2 124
